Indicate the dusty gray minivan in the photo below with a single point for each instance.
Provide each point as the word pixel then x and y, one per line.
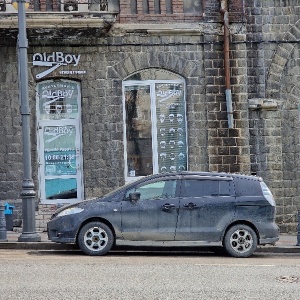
pixel 234 211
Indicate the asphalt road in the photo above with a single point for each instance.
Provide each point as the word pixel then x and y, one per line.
pixel 38 275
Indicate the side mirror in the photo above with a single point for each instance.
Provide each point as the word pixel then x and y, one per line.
pixel 134 196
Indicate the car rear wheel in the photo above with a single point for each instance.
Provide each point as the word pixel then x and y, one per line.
pixel 95 238
pixel 240 241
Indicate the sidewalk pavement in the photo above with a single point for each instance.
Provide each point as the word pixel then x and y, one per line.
pixel 286 244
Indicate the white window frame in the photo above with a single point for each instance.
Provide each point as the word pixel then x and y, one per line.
pixel 151 84
pixel 77 122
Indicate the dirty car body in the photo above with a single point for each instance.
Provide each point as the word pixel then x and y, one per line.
pixel 234 211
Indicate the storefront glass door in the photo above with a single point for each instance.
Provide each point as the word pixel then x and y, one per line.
pixel 59 142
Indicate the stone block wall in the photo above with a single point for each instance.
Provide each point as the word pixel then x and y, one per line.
pixel 264 62
pixel 273 59
pixel 42 216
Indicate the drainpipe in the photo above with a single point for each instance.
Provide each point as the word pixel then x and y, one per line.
pixel 224 12
pixel 298 235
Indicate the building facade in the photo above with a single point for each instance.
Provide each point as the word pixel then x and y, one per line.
pixel 123 89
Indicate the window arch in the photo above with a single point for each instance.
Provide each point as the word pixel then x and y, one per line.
pixel 155 129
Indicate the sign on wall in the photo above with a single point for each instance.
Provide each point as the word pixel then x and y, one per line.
pixel 55 60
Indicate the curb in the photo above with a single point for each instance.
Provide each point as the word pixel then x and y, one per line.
pixel 36 246
pixel 71 247
pixel 279 249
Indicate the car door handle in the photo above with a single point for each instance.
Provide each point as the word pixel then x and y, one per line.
pixel 190 205
pixel 167 207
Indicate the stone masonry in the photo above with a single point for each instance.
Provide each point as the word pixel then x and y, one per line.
pixel 264 70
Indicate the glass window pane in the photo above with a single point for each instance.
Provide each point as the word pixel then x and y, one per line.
pixel 138 130
pixel 155 190
pixel 133 6
pixel 192 7
pixel 199 188
pixel 145 7
pixel 169 8
pixel 225 188
pixel 157 7
pixel 59 150
pixel 58 100
pixel 61 188
pixel 171 127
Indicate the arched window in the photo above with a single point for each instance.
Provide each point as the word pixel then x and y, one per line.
pixel 155 129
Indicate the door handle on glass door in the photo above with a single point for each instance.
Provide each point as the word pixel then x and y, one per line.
pixel 190 205
pixel 167 207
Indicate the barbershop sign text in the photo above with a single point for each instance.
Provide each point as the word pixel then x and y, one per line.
pixel 54 61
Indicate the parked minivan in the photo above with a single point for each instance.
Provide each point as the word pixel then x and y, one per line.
pixel 234 211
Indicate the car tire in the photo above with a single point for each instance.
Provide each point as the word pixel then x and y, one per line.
pixel 95 238
pixel 240 241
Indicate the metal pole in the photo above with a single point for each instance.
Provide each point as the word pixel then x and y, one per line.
pixel 3 233
pixel 298 235
pixel 28 194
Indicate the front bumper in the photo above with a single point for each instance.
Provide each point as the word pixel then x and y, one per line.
pixel 62 230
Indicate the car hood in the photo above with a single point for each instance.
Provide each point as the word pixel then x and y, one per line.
pixel 82 204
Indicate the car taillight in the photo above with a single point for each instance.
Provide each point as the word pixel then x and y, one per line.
pixel 267 193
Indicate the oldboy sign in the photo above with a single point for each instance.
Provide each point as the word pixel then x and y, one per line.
pixel 54 61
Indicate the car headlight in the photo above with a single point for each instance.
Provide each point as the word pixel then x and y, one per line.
pixel 70 211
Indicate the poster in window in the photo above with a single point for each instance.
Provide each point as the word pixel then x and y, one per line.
pixel 171 127
pixel 58 100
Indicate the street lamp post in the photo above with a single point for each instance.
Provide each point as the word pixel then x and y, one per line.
pixel 28 194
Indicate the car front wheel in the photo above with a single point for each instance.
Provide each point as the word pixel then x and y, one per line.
pixel 240 241
pixel 95 238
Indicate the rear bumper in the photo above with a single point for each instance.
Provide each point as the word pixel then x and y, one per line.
pixel 269 233
pixel 268 241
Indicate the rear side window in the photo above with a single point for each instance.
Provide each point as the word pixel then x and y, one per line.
pixel 247 187
pixel 200 188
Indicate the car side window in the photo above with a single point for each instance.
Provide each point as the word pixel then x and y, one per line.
pixel 155 190
pixel 205 187
pixel 247 187
pixel 225 188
